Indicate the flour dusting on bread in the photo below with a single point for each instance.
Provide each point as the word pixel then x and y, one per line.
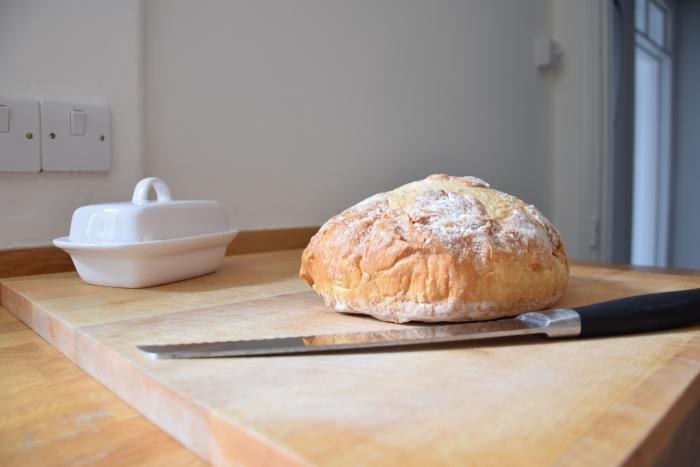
pixel 441 249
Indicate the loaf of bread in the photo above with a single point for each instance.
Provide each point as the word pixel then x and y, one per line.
pixel 440 249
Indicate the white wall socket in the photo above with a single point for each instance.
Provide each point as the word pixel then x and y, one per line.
pixel 20 144
pixel 75 137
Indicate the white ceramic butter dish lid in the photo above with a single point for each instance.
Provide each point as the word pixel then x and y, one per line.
pixel 143 220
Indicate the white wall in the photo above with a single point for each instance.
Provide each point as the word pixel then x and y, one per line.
pixel 577 139
pixel 79 51
pixel 290 111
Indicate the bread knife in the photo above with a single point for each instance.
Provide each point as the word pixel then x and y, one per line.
pixel 642 313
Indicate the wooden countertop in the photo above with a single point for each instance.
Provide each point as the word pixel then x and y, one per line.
pixel 55 413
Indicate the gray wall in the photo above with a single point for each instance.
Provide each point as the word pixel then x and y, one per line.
pixel 288 112
pixel 71 51
pixel 685 250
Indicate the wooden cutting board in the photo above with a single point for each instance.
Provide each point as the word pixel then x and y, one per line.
pixel 509 402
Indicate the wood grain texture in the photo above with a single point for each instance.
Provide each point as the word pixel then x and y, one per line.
pixel 258 241
pixel 682 449
pixel 37 260
pixel 53 413
pixel 606 401
pixel 634 267
pixel 16 262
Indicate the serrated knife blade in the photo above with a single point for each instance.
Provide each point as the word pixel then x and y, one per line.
pixel 554 323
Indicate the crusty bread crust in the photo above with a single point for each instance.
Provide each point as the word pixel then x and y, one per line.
pixel 440 249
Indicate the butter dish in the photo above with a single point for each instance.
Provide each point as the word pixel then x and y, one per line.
pixel 145 242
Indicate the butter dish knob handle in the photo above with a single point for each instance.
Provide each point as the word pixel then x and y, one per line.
pixel 144 187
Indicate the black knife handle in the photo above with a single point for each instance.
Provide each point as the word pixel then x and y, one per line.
pixel 642 313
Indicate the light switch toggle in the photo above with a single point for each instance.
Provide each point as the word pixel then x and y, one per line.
pixel 77 122
pixel 90 150
pixel 4 119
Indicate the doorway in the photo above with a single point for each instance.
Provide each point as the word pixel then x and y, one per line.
pixel 652 133
pixel 639 199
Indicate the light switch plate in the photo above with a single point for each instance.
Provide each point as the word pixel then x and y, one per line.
pixel 20 147
pixel 66 152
